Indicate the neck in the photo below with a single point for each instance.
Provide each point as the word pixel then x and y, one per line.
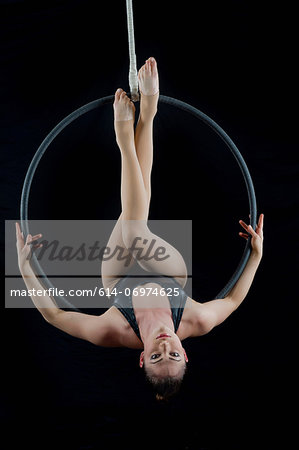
pixel 151 322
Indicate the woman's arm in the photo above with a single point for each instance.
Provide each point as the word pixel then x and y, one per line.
pixel 45 304
pixel 94 329
pixel 241 288
pixel 211 314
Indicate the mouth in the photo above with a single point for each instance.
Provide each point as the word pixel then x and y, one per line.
pixel 163 335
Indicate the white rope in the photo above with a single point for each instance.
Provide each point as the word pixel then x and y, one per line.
pixel 133 77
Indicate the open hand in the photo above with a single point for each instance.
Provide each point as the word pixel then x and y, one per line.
pixel 257 236
pixel 24 249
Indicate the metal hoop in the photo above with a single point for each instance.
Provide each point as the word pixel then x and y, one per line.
pixel 163 99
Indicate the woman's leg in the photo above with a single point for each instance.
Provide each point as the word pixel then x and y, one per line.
pixel 137 157
pixel 114 268
pixel 133 194
pixel 149 96
pixel 137 230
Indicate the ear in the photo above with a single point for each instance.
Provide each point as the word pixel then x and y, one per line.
pixel 141 359
pixel 186 357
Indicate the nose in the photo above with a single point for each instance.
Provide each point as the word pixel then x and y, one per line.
pixel 164 343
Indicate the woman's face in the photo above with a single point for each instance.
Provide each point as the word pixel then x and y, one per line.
pixel 164 355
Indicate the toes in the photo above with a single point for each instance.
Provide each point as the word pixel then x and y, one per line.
pixel 141 71
pixel 121 98
pixel 153 63
pixel 124 98
pixel 118 93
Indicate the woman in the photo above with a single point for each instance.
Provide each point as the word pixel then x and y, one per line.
pixel 156 323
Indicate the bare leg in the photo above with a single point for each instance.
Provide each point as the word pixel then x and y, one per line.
pixel 137 158
pixel 174 265
pixel 133 194
pixel 149 90
pixel 115 268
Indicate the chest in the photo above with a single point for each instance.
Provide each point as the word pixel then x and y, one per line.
pixel 122 334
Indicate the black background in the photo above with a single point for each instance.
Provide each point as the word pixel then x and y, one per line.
pixel 235 62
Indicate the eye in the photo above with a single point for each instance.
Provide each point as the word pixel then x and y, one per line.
pixel 176 354
pixel 155 356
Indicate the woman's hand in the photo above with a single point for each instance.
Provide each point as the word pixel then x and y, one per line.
pixel 257 236
pixel 24 249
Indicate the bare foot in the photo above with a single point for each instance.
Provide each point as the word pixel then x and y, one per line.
pixel 148 77
pixel 124 108
pixel 124 116
pixel 148 80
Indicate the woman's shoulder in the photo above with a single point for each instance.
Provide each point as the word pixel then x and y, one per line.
pixel 196 319
pixel 189 321
pixel 120 333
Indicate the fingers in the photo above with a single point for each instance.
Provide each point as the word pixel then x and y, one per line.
pixel 28 239
pixel 250 230
pixel 259 227
pixel 261 222
pixel 20 238
pixel 19 234
pixel 32 243
pixel 32 240
pixel 36 246
pixel 243 224
pixel 244 235
pixel 28 247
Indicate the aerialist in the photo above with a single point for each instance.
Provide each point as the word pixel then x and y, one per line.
pixel 155 323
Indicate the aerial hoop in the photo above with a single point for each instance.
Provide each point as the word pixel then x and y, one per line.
pixel 61 301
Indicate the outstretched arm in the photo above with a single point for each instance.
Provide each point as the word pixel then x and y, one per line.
pixel 84 326
pixel 211 314
pixel 45 304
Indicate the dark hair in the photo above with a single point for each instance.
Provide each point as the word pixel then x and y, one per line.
pixel 166 387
